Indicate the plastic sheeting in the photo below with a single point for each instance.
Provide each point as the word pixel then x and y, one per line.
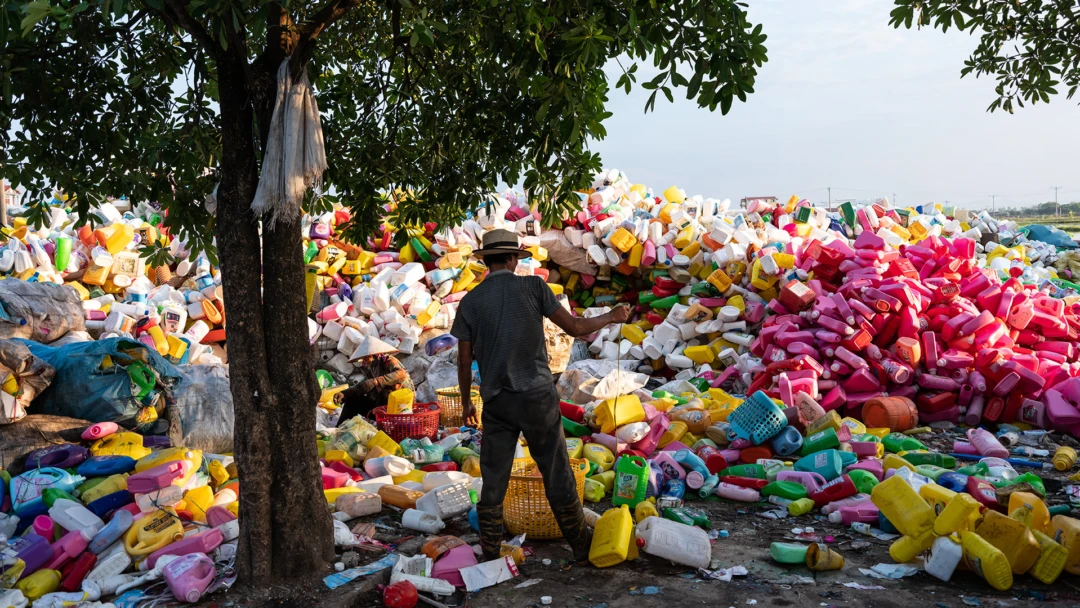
pixel 33 374
pixel 42 312
pixel 205 408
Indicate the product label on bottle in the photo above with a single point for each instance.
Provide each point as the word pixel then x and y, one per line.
pixel 626 485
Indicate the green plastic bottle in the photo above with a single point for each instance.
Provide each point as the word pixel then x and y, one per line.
pixel 931 471
pixel 977 469
pixel 310 252
pixel 690 517
pixel 665 303
pixel 785 489
pixel 899 442
pixel 821 440
pixel 51 495
pixel 574 429
pixel 700 383
pixel 864 480
pixel 1030 478
pixel 935 458
pixel 754 471
pixel 646 297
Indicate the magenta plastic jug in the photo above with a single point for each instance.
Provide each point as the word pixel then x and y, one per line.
pixel 808 479
pixel 159 477
pixel 671 468
pixel 449 564
pixel 203 542
pixel 189 576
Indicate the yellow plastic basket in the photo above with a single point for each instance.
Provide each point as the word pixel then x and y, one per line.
pixel 526 509
pixel 450 403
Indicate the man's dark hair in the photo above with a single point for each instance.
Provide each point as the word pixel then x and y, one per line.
pixel 498 259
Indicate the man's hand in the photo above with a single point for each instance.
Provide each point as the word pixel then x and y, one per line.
pixel 620 314
pixel 468 412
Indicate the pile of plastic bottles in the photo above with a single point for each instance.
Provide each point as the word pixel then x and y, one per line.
pixel 88 522
pixel 175 308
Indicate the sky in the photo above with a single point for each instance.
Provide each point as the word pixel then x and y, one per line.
pixel 849 102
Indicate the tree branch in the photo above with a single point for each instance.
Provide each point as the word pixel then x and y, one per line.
pixel 326 16
pixel 188 23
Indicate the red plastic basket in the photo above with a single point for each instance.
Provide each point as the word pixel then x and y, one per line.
pixel 423 422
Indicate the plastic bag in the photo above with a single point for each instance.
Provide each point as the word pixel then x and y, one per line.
pixel 41 312
pixel 205 408
pixel 33 375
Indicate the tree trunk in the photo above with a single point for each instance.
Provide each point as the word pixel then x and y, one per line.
pixel 285 526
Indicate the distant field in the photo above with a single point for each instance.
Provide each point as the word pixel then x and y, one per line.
pixel 1068 224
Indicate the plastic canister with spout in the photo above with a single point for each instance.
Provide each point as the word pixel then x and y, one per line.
pixel 1012 537
pixel 612 537
pixel 189 576
pixel 986 560
pixel 902 506
pixel 420 521
pixel 674 541
pixel 945 555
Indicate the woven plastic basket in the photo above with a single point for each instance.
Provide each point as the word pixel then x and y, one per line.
pixel 526 509
pixel 450 402
pixel 423 422
pixel 757 419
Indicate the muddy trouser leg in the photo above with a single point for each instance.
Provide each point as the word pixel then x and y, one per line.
pixel 497 450
pixel 541 422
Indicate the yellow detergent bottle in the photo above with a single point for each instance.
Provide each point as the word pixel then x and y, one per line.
pixel 645 509
pixel 384 441
pixel 959 514
pixel 338 456
pixel 198 501
pixel 114 483
pixel 333 494
pixel 400 401
pixel 675 432
pixel 414 475
pixel 1012 538
pixel 170 455
pixel 986 560
pixel 575 447
pixel 157 529
pixel 903 507
pixel 612 537
pixel 892 461
pixel 1051 560
pixel 39 583
pixel 594 452
pixel 613 413
pixel 607 478
pixel 217 472
pixel 120 444
pixel 938 498
pixel 1031 510
pixel 1066 531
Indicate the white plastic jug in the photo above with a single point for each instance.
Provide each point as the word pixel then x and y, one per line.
pixel 945 555
pixel 633 432
pixel 165 497
pixel 441 478
pixel 422 522
pixel 680 543
pixel 72 517
pixel 446 501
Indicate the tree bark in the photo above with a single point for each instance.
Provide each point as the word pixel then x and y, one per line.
pixel 285 526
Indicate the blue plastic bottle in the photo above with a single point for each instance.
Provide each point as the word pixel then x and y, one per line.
pixel 957 482
pixel 104 466
pixel 692 461
pixel 827 463
pixel 110 502
pixel 26 489
pixel 113 530
pixel 787 442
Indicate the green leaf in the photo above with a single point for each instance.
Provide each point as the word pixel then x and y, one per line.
pixel 667 93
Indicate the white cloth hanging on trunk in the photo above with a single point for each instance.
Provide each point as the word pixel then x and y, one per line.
pixel 295 157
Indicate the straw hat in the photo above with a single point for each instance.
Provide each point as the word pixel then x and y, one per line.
pixel 371 346
pixel 500 241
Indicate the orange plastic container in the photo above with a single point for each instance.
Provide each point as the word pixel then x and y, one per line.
pixel 399 497
pixel 896 413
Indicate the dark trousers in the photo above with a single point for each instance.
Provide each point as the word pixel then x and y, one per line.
pixel 354 403
pixel 535 414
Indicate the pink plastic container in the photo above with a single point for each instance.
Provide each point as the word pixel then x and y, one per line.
pixel 731 491
pixel 68 548
pixel 986 443
pixel 203 542
pixel 808 479
pixel 158 477
pixel 99 430
pixel 189 576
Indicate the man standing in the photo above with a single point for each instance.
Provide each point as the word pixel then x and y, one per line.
pixel 501 324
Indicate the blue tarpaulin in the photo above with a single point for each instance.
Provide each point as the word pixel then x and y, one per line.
pixel 1051 235
pixel 83 388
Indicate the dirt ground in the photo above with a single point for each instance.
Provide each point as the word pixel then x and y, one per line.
pixel 649 581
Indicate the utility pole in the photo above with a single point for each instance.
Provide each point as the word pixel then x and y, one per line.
pixel 829 188
pixel 894 199
pixel 1057 211
pixel 993 203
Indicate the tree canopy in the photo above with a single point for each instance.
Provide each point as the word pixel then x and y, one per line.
pixel 443 99
pixel 1029 47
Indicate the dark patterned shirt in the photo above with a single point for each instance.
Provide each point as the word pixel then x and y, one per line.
pixel 503 318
